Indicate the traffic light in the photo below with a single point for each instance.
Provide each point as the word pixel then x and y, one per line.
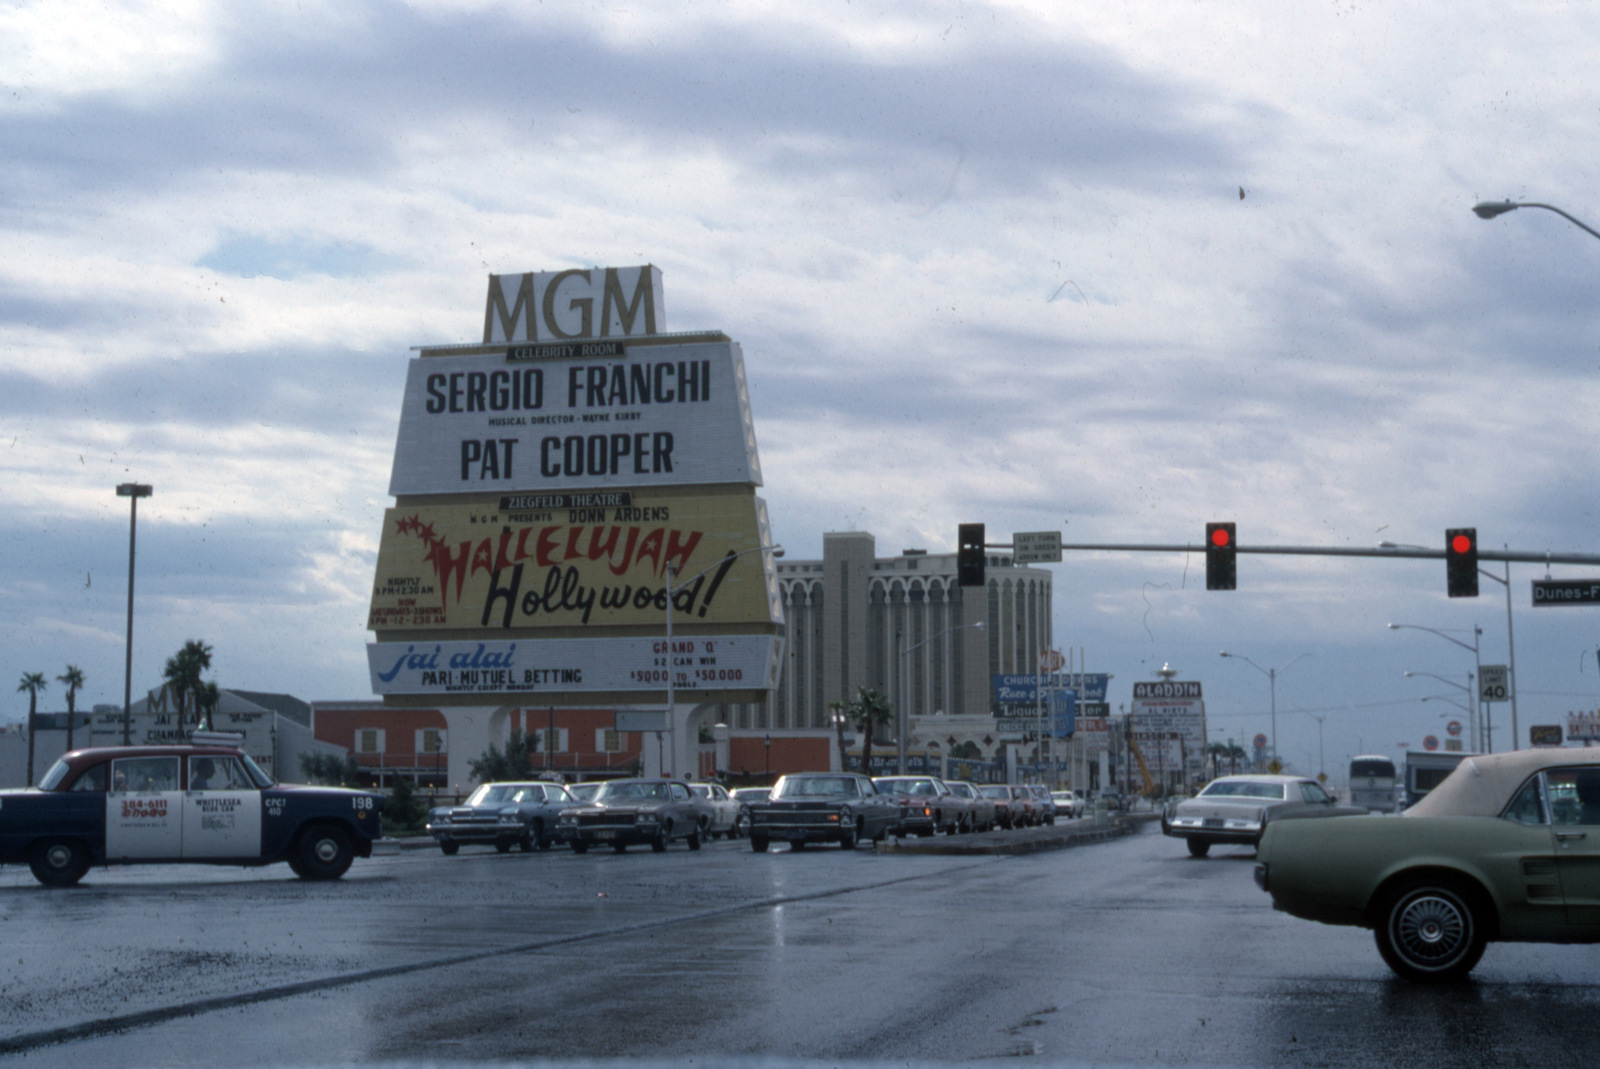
pixel 969 554
pixel 1461 561
pixel 1222 554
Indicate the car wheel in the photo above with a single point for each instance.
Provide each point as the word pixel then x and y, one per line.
pixel 502 846
pixel 695 837
pixel 621 848
pixel 579 846
pixel 450 849
pixel 1198 847
pixel 1430 932
pixel 526 845
pixel 325 852
pixel 847 839
pixel 797 845
pixel 535 839
pixel 59 862
pixel 758 843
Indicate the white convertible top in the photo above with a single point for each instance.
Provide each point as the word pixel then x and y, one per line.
pixel 1482 785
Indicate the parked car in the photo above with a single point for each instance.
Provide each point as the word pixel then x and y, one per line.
pixel 1505 849
pixel 750 795
pixel 1068 804
pixel 729 817
pixel 980 809
pixel 822 807
pixel 628 811
pixel 1008 812
pixel 501 815
pixel 585 792
pixel 927 806
pixel 1025 805
pixel 1237 809
pixel 156 804
pixel 1047 804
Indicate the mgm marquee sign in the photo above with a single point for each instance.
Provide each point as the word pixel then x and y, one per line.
pixel 562 489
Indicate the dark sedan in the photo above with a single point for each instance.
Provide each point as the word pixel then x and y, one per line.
pixel 629 811
pixel 502 815
pixel 822 807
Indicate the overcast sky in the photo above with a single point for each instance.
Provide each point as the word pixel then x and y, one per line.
pixel 1114 269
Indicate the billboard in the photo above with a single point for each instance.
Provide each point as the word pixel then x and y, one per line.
pixel 554 418
pixel 1171 733
pixel 575 666
pixel 553 306
pixel 1024 690
pixel 579 560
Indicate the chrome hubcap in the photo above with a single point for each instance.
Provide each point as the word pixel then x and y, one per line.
pixel 1431 928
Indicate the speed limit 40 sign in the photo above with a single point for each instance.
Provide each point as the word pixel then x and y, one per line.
pixel 1494 683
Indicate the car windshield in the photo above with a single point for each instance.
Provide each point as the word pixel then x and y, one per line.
pixel 1244 789
pixel 500 794
pixel 701 789
pixel 909 786
pixel 261 778
pixel 612 793
pixel 52 779
pixel 813 786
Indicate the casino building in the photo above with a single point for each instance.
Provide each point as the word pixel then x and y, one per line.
pixel 900 625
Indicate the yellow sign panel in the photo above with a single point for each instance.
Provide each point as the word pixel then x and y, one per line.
pixel 575 560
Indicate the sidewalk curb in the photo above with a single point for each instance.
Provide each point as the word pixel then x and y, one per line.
pixel 1026 841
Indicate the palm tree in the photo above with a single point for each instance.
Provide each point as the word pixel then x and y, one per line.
pixel 1218 752
pixel 206 697
pixel 869 710
pixel 182 674
pixel 73 678
pixel 33 683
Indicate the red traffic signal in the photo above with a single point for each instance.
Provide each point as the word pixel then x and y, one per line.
pixel 1461 562
pixel 1222 572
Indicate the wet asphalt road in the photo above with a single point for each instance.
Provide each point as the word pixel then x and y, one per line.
pixel 1120 953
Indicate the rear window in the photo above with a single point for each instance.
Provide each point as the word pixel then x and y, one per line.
pixel 1371 768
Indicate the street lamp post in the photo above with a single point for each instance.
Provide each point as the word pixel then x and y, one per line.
pixel 1272 679
pixel 1488 209
pixel 901 720
pixel 672 674
pixel 1478 741
pixel 132 491
pixel 837 717
pixel 768 741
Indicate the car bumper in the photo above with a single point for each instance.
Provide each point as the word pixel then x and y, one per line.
pixel 470 835
pixel 627 835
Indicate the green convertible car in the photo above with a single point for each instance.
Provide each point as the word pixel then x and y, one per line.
pixel 1507 849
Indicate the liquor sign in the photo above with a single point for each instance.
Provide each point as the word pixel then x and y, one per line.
pixel 575 417
pixel 1024 690
pixel 576 561
pixel 576 666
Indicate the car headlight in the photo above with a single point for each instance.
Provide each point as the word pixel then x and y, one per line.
pixel 647 818
pixel 567 818
pixel 845 815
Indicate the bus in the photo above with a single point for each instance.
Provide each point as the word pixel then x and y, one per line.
pixel 1425 771
pixel 1372 779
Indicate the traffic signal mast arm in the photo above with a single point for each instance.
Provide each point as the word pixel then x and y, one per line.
pixel 1350 551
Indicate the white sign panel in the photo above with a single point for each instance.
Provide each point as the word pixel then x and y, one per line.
pixel 576 417
pixel 1494 683
pixel 1036 547
pixel 1171 733
pixel 579 665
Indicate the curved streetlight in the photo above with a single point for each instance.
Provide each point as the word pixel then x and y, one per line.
pixel 672 697
pixel 1488 209
pixel 132 491
pixel 901 721
pixel 1479 736
pixel 1272 677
